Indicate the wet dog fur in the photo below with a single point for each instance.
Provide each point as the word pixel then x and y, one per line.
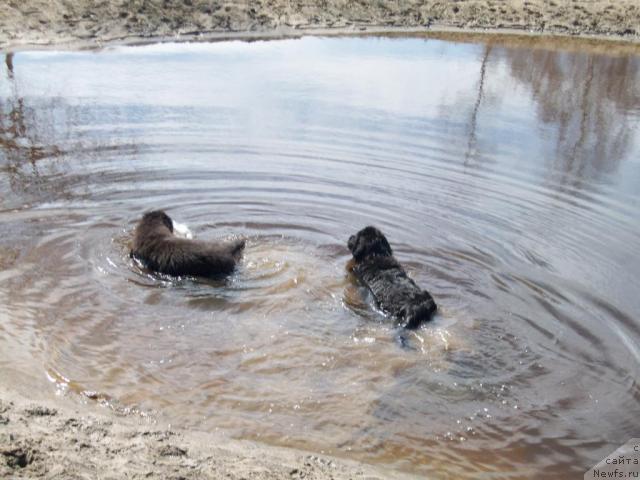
pixel 395 293
pixel 158 249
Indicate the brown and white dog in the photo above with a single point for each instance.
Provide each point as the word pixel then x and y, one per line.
pixel 395 293
pixel 157 247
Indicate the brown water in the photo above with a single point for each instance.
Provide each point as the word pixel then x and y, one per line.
pixel 507 180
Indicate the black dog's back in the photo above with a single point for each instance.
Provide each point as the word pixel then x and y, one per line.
pixel 393 290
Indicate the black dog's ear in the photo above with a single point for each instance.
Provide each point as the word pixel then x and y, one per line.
pixel 351 243
pixel 369 241
pixel 382 246
pixel 375 241
pixel 414 315
pixel 358 246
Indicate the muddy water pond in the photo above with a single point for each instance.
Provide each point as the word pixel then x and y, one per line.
pixel 506 179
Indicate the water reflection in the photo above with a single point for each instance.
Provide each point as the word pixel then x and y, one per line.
pixel 21 138
pixel 591 101
pixel 473 124
pixel 505 179
pixel 8 60
pixel 38 135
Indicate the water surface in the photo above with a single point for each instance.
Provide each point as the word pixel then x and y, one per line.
pixel 505 178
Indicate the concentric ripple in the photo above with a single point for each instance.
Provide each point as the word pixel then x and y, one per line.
pixel 505 178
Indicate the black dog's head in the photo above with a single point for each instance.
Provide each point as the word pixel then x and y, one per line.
pixel 155 219
pixel 369 242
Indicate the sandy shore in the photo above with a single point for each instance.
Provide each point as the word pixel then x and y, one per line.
pixel 96 22
pixel 52 439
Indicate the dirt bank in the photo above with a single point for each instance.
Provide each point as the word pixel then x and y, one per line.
pixel 53 440
pixel 45 22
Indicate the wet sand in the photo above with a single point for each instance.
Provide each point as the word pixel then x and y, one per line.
pixel 51 439
pixel 92 23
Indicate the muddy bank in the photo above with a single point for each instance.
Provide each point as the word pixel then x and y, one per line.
pixel 93 22
pixel 53 440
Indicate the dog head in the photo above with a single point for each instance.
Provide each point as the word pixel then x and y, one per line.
pixel 155 219
pixel 369 242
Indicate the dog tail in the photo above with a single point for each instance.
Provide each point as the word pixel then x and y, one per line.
pixel 414 315
pixel 236 247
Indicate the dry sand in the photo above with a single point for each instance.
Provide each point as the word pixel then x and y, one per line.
pixel 96 22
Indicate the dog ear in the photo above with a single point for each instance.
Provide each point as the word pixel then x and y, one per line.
pixel 414 315
pixel 351 243
pixel 382 246
pixel 155 216
pixel 358 247
pixel 369 241
pixel 166 219
pixel 377 243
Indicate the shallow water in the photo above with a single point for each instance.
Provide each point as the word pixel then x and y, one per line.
pixel 505 178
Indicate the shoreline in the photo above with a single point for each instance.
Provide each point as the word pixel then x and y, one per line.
pixel 55 438
pixel 609 44
pixel 82 24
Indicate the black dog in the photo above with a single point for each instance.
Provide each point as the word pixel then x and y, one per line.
pixel 395 293
pixel 156 246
